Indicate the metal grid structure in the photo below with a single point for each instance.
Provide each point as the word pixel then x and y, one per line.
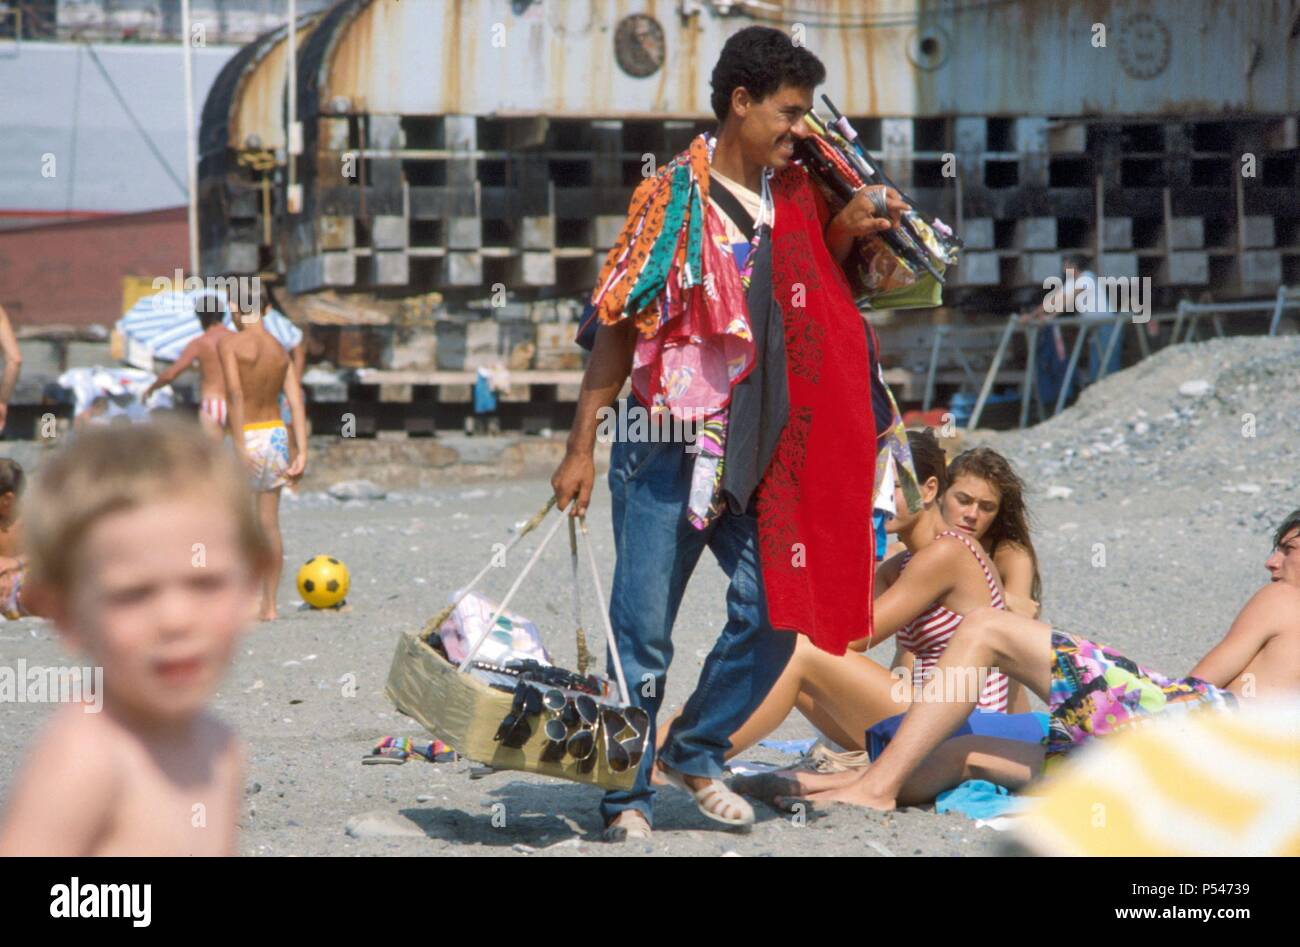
pixel 521 181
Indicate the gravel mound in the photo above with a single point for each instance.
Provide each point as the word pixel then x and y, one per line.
pixel 1216 417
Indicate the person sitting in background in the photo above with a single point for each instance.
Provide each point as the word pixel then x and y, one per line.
pixel 13 561
pixel 986 498
pixel 1091 691
pixel 13 366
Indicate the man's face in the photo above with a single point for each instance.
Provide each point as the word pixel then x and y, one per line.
pixel 768 128
pixel 1284 564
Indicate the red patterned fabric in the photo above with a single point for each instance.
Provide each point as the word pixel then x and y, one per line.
pixel 814 502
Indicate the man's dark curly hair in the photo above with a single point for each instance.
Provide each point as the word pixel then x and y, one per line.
pixel 1288 524
pixel 761 60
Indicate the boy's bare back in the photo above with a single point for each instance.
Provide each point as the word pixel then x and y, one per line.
pixel 212 383
pixel 262 365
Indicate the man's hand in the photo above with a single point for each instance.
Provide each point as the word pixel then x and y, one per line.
pixel 862 216
pixel 573 481
pixel 297 466
pixel 4 415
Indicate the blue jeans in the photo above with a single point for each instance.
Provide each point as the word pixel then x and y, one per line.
pixel 657 549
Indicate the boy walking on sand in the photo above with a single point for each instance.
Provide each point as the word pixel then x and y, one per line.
pixel 145 552
pixel 257 369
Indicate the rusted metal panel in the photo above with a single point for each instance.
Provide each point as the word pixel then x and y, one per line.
pixel 258 109
pixel 883 57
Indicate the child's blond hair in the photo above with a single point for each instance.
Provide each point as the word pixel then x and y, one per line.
pixel 111 470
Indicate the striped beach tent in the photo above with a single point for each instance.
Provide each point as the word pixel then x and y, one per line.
pixel 161 325
pixel 1206 783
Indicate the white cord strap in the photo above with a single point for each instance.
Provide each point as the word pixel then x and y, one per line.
pixel 464 665
pixel 435 623
pixel 604 613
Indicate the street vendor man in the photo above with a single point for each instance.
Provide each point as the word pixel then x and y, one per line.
pixel 724 301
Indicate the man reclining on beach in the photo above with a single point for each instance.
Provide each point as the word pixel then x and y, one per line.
pixel 1080 682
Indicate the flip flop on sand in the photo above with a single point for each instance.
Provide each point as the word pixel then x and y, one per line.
pixel 714 800
pixel 628 826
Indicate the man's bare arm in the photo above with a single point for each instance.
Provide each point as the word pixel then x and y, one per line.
pixel 298 415
pixel 234 394
pixel 173 371
pixel 607 370
pixel 13 364
pixel 1254 625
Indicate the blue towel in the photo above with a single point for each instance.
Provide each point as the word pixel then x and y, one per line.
pixel 1029 728
pixel 796 747
pixel 978 799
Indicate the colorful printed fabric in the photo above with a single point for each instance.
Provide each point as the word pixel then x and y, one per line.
pixel 892 443
pixel 267 445
pixel 706 476
pixel 1096 691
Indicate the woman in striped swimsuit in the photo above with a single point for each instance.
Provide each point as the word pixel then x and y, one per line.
pixel 947 574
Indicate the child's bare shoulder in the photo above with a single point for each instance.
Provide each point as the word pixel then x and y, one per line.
pixel 67 787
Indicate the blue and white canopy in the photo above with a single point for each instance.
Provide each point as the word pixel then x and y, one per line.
pixel 161 325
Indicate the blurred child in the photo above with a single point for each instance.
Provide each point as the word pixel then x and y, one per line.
pixel 13 564
pixel 146 553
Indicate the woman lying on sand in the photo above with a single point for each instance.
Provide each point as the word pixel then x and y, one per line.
pixel 1091 690
pixel 922 595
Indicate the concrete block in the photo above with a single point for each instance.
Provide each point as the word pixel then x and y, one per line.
pixel 1258 232
pixel 1119 264
pixel 1036 233
pixel 389 232
pixel 537 269
pixel 978 269
pixel 1117 233
pixel 1186 233
pixel 1185 268
pixel 1067 138
pixel 977 233
pixel 464 233
pixel 1033 269
pixel 390 269
pixel 1031 135
pixel 1261 268
pixel 608 227
pixel 464 269
pixel 385 131
pixel 536 233
pixel 335 233
pixel 464 346
pixel 970 135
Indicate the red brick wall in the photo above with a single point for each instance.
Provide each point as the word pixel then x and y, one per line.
pixel 71 273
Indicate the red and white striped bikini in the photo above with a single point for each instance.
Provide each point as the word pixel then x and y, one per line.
pixel 214 408
pixel 927 636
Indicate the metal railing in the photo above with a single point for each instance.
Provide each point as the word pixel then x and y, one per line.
pixel 1187 314
pixel 1288 297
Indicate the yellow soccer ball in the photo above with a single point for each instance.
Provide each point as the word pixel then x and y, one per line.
pixel 323 581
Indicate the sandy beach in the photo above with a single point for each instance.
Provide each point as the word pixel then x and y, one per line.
pixel 1179 501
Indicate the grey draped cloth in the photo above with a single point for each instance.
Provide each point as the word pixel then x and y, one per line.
pixel 760 403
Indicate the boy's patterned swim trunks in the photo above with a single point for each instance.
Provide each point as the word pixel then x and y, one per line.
pixel 1096 691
